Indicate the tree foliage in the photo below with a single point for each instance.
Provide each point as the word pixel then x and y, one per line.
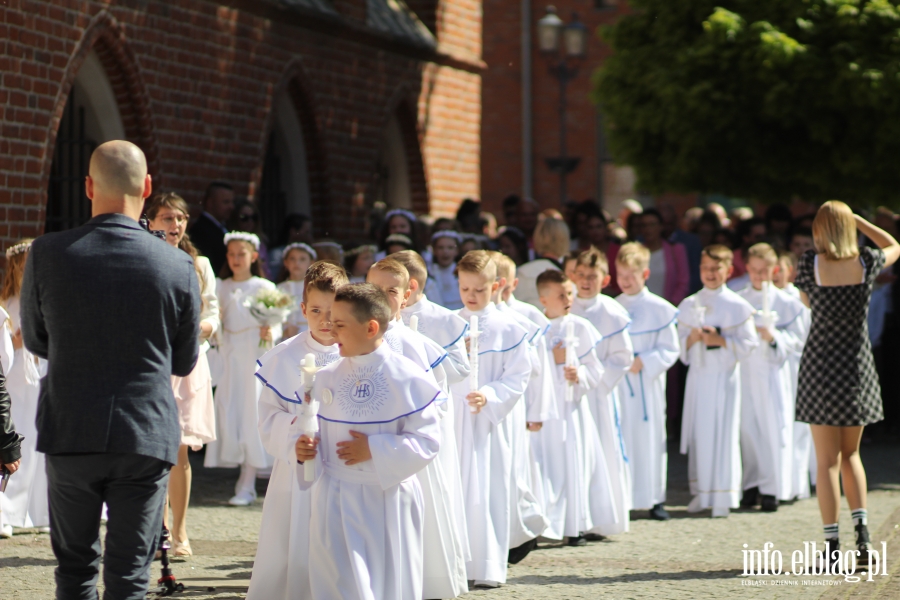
pixel 762 99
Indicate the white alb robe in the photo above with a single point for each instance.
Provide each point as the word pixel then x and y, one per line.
pixel 577 487
pixel 710 427
pixel 616 353
pixel 366 523
pixel 446 547
pixel 504 368
pixel 281 568
pixel 24 504
pixel 654 335
pixel 767 396
pixel 237 437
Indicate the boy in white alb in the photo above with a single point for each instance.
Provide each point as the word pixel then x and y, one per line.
pixel 503 370
pixel 767 400
pixel 446 546
pixel 378 428
pixel 804 471
pixel 281 568
pixel 716 330
pixel 654 334
pixel 576 480
pixel 616 354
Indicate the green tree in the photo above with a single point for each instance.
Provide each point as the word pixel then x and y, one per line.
pixel 760 99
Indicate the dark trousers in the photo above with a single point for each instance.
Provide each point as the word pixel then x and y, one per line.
pixel 134 488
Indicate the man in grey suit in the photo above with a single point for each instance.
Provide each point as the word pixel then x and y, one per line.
pixel 116 313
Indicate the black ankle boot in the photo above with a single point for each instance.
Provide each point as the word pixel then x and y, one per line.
pixel 833 545
pixel 863 544
pixel 576 541
pixel 659 513
pixel 750 498
pixel 518 554
pixel 768 503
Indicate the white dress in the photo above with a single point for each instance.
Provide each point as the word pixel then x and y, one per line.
pixel 654 335
pixel 25 502
pixel 616 354
pixel 237 437
pixel 504 369
pixel 710 426
pixel 768 399
pixel 295 289
pixel 281 568
pixel 366 524
pixel 447 285
pixel 577 487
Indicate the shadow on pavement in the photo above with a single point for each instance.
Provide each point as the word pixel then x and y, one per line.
pixel 624 578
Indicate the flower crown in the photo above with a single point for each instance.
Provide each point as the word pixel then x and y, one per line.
pixel 301 246
pixel 448 234
pixel 250 238
pixel 401 212
pixel 19 248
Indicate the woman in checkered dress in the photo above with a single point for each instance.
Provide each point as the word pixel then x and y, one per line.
pixel 838 391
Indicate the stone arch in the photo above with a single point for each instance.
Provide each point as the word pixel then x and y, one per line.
pixel 402 115
pixel 293 107
pixel 103 46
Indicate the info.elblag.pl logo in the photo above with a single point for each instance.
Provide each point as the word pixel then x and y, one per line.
pixel 811 561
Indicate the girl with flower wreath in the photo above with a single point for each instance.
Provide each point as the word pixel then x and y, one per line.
pixel 237 437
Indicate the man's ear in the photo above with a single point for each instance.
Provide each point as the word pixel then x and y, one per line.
pixel 148 187
pixel 89 187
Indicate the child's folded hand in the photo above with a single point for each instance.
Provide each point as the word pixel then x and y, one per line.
pixel 534 426
pixel 476 400
pixel 356 450
pixel 571 374
pixel 559 354
pixel 305 448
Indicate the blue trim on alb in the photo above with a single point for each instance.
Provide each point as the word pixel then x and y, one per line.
pixel 382 422
pixel 274 389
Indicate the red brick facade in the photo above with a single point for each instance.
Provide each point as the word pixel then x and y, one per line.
pixel 195 80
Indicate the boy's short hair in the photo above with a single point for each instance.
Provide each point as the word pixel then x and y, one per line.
pixel 786 257
pixel 763 251
pixel 595 259
pixel 394 267
pixel 634 256
pixel 506 267
pixel 719 253
pixel 414 264
pixel 367 301
pixel 551 236
pixel 549 277
pixel 324 276
pixel 478 262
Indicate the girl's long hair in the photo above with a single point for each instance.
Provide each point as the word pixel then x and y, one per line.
pixel 15 270
pixel 175 202
pixel 226 271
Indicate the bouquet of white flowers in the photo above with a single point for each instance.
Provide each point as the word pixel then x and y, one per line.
pixel 270 307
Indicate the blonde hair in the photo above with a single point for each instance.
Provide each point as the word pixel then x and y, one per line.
pixel 719 253
pixel 414 264
pixel 593 259
pixel 787 258
pixel 834 231
pixel 15 271
pixel 551 237
pixel 325 277
pixel 506 267
pixel 763 251
pixel 634 256
pixel 394 267
pixel 478 262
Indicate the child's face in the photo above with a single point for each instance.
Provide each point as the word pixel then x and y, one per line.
pixel 569 268
pixel 394 248
pixel 468 246
pixel 352 337
pixel 783 274
pixel 476 289
pixel 297 262
pixel 393 286
pixel 399 224
pixel 714 273
pixel 363 263
pixel 445 251
pixel 800 244
pixel 317 310
pixel 557 299
pixel 241 256
pixel 631 281
pixel 590 280
pixel 759 271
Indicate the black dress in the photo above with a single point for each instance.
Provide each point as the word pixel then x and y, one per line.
pixel 838 384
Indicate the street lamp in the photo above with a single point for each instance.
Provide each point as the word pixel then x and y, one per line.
pixel 552 31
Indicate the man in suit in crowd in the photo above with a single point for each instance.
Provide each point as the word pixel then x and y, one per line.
pixel 116 312
pixel 208 231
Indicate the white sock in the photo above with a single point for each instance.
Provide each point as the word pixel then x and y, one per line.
pixel 831 531
pixel 247 480
pixel 860 516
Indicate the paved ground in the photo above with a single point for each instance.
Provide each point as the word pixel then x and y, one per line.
pixel 690 556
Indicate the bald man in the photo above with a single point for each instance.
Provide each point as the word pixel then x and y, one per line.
pixel 115 311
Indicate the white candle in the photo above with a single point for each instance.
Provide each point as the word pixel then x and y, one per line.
pixel 473 354
pixel 765 291
pixel 311 410
pixel 571 358
pixel 414 323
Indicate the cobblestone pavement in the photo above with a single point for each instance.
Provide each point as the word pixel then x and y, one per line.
pixel 691 556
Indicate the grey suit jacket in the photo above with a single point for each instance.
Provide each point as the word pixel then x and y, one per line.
pixel 116 312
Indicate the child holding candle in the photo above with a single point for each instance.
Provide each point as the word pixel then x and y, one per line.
pixel 576 480
pixel 378 429
pixel 767 398
pixel 711 423
pixel 280 571
pixel 499 374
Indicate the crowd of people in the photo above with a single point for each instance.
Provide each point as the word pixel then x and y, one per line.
pixel 447 393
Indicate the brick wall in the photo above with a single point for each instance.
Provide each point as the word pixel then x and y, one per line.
pixel 195 81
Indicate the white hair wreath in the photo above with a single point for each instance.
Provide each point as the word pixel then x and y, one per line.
pixel 243 236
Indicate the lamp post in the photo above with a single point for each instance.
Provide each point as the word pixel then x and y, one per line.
pixel 551 31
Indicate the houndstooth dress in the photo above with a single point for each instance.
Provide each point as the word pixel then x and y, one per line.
pixel 838 384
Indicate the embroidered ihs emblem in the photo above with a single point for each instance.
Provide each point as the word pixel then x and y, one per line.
pixel 363 392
